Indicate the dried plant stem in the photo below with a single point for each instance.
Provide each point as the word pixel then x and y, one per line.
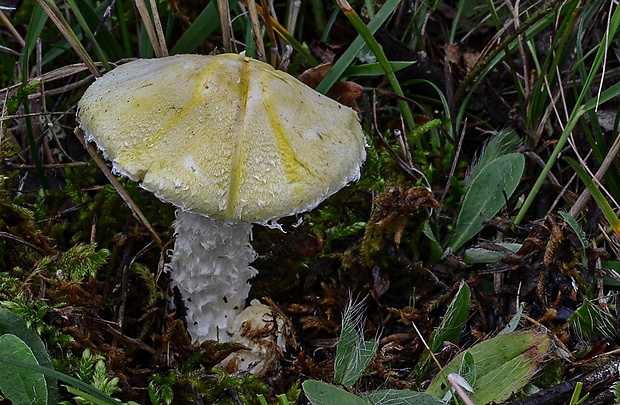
pixel 119 188
pixel 4 19
pixel 159 30
pixel 260 46
pixel 585 195
pixel 270 32
pixel 224 10
pixel 154 31
pixel 56 16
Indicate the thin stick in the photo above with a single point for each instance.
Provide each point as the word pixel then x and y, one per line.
pixel 56 16
pixel 224 10
pixel 119 187
pixel 270 32
pixel 585 195
pixel 150 28
pixel 159 30
pixel 12 30
pixel 260 46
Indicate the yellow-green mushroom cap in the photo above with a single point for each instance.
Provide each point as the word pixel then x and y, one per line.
pixel 223 136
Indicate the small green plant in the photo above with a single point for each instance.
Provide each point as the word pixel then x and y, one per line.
pixel 591 322
pixel 491 181
pixel 92 370
pixel 23 354
pixel 32 312
pixel 160 389
pixel 352 357
pixel 576 398
pixel 491 370
pixel 616 389
pixel 495 368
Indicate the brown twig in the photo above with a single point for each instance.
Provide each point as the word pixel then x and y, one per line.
pixel 260 46
pixel 119 188
pixel 224 10
pixel 23 242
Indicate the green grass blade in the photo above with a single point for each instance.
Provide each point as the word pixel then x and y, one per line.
pixel 353 353
pixel 354 49
pixel 283 32
pixel 122 23
pixel 454 320
pixel 374 69
pixel 578 111
pixel 35 27
pixel 376 49
pixel 89 34
pixel 63 26
pixel 109 45
pixel 601 201
pixel 79 393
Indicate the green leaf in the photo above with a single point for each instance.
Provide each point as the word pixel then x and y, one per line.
pixel 504 143
pixel 487 195
pixel 367 34
pixel 514 322
pixel 19 385
pixel 353 353
pixel 13 324
pixel 50 372
pixel 400 397
pixel 589 321
pixel 616 390
pixel 320 393
pixel 435 249
pixel 453 321
pixel 468 369
pixel 482 255
pixel 503 364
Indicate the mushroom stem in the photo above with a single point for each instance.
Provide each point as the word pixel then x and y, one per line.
pixel 211 268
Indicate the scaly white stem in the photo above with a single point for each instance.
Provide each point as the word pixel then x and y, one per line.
pixel 211 268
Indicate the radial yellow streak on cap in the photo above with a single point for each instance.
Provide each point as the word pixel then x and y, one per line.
pixel 236 163
pixel 293 168
pixel 185 111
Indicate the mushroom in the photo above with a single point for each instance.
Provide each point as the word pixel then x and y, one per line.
pixel 229 141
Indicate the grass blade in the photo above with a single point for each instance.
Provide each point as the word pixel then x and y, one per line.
pixel 354 49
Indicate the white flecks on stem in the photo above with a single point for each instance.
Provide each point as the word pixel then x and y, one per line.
pixel 211 268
